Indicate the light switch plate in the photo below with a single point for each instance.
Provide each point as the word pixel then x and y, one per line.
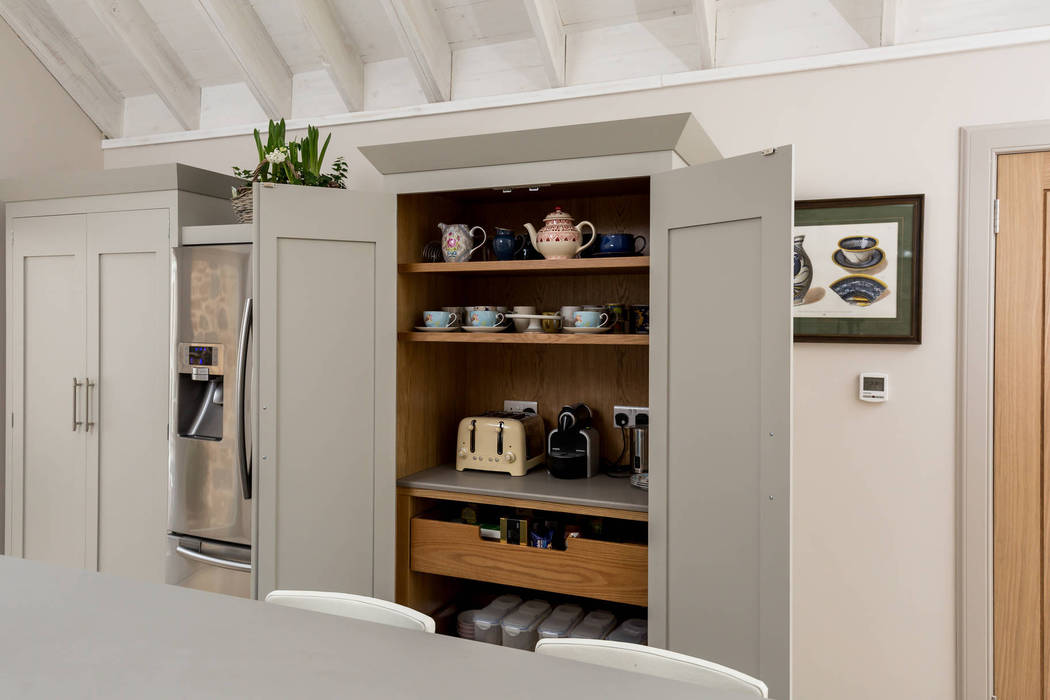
pixel 632 413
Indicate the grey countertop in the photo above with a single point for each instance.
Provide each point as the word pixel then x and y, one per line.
pixel 538 485
pixel 74 634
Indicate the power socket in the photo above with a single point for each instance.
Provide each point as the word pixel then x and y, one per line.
pixel 630 414
pixel 521 406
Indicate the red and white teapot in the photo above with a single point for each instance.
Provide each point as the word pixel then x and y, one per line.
pixel 559 238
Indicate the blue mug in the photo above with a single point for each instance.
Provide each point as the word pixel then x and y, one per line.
pixel 506 245
pixel 485 318
pixel 620 244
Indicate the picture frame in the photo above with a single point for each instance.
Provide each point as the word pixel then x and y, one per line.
pixel 864 259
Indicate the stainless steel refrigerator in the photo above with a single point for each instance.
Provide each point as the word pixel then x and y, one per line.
pixel 209 460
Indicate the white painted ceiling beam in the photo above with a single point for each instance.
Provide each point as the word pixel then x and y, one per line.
pixel 264 69
pixel 889 22
pixel 550 36
pixel 61 54
pixel 422 37
pixel 130 24
pixel 344 65
pixel 704 18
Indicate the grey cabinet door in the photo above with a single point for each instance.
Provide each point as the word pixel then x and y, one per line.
pixel 720 393
pixel 325 326
pixel 46 486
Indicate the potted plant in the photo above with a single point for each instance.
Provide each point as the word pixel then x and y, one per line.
pixel 296 162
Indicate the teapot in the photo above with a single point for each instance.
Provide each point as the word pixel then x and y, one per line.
pixel 456 240
pixel 559 239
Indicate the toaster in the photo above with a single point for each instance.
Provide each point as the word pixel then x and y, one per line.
pixel 500 441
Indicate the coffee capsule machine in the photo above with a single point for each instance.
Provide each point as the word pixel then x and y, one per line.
pixel 573 447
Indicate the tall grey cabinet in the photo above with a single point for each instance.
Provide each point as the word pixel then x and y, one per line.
pixel 88 347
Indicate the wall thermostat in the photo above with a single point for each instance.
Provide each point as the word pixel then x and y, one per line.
pixel 874 386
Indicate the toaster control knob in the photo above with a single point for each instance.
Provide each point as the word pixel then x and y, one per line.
pixel 508 457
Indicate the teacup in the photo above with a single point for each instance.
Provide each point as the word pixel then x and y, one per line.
pixel 522 324
pixel 439 319
pixel 553 324
pixel 590 319
pixel 620 244
pixel 485 318
pixel 459 311
pixel 859 249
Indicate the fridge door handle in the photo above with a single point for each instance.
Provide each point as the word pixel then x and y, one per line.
pixel 76 385
pixel 88 386
pixel 242 386
pixel 214 561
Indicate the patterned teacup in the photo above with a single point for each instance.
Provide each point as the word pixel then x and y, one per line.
pixel 439 319
pixel 485 318
pixel 590 319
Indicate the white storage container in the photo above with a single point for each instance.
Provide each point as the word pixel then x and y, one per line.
pixel 596 625
pixel 519 627
pixel 487 620
pixel 635 631
pixel 560 622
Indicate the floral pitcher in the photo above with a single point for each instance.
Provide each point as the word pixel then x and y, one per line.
pixel 456 241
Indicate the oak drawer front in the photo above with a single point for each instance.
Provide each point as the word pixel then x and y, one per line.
pixel 612 571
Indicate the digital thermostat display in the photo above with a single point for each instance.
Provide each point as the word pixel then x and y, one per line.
pixel 874 386
pixel 200 355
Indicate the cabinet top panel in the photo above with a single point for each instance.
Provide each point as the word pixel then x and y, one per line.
pixel 680 133
pixel 149 178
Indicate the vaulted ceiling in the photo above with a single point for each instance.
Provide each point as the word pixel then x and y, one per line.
pixel 155 66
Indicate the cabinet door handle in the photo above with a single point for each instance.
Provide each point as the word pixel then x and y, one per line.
pixel 76 385
pixel 89 385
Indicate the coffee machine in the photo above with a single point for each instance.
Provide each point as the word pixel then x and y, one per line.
pixel 572 447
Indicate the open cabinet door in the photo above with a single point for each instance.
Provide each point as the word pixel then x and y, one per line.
pixel 720 400
pixel 326 338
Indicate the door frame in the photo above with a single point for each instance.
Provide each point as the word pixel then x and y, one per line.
pixel 980 146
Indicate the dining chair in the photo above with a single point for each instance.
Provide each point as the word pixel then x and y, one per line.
pixel 652 661
pixel 359 607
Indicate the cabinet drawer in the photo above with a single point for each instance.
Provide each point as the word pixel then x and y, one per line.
pixel 612 571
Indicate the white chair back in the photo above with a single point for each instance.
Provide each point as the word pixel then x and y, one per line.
pixel 359 607
pixel 652 661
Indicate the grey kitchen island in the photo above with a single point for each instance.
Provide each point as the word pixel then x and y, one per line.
pixel 74 634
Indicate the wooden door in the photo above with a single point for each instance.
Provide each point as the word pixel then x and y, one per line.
pixel 128 350
pixel 46 494
pixel 720 400
pixel 325 323
pixel 1020 454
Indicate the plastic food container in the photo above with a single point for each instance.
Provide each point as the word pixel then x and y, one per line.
pixel 635 631
pixel 487 620
pixel 519 627
pixel 596 625
pixel 560 622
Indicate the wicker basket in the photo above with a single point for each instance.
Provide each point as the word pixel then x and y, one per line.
pixel 243 202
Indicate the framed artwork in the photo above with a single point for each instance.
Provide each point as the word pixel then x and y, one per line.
pixel 858 270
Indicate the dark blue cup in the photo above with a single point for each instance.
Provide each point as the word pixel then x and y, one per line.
pixel 620 244
pixel 506 245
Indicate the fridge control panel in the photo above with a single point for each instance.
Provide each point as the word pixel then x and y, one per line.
pixel 200 359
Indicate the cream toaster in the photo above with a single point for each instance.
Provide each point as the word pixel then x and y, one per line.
pixel 500 441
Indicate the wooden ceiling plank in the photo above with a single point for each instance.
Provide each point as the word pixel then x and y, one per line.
pixel 130 24
pixel 344 65
pixel 704 16
pixel 264 69
pixel 60 53
pixel 423 39
pixel 550 36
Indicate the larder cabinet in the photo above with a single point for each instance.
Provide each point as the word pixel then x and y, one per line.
pixel 88 350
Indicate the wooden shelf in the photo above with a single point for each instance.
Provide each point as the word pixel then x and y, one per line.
pixel 575 266
pixel 612 571
pixel 511 338
pixel 599 496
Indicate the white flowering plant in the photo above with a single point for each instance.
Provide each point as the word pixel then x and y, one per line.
pixel 296 162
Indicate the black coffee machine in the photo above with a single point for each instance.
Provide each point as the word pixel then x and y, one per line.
pixel 572 447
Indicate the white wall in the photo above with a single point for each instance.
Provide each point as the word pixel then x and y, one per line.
pixel 874 484
pixel 44 129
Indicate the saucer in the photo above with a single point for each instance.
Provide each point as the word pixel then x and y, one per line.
pixel 484 329
pixel 839 259
pixel 437 329
pixel 584 330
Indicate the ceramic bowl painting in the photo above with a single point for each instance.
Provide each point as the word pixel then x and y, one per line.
pixel 840 259
pixel 802 272
pixel 859 250
pixel 859 290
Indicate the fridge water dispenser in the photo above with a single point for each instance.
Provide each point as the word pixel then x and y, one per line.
pixel 199 396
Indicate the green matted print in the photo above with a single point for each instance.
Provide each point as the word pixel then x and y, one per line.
pixel 858 270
